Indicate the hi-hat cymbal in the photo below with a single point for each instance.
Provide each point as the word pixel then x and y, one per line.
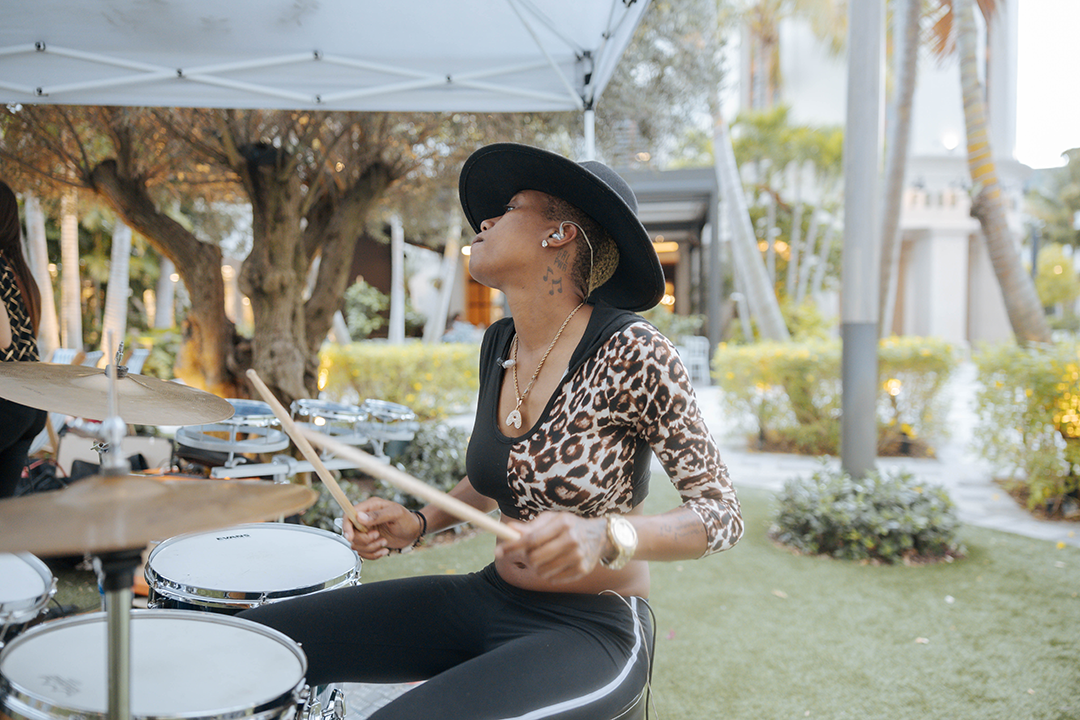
pixel 124 512
pixel 84 392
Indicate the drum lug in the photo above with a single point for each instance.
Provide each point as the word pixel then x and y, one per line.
pixel 335 706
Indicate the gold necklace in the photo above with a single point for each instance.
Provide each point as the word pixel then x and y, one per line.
pixel 514 418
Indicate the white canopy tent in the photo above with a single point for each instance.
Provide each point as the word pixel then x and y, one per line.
pixel 406 55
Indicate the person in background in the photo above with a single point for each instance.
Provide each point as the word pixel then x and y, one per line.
pixel 20 312
pixel 577 393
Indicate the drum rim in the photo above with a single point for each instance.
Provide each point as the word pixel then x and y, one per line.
pixel 17 611
pixel 25 703
pixel 327 409
pixel 226 599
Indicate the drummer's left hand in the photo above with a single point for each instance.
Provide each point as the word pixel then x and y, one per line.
pixel 558 546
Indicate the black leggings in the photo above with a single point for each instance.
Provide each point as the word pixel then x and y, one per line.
pixel 19 425
pixel 486 649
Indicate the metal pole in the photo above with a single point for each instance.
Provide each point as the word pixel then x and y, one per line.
pixel 590 134
pixel 860 274
pixel 396 333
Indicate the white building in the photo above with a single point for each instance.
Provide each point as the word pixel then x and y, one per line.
pixel 947 286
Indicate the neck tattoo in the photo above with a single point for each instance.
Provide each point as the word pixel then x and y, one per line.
pixel 514 418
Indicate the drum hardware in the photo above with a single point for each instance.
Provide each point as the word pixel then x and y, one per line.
pixel 308 451
pixel 338 420
pixel 387 422
pixel 26 587
pixel 114 515
pixel 250 430
pixel 327 702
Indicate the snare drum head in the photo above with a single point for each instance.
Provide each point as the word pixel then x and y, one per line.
pixel 25 586
pixel 277 559
pixel 183 664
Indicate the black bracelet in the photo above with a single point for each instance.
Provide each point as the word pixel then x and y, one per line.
pixel 423 526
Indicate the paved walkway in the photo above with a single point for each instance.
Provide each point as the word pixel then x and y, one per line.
pixel 967 479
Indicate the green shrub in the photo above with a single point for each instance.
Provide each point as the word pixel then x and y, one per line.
pixel 881 518
pixel 433 380
pixel 1028 422
pixel 789 394
pixel 436 456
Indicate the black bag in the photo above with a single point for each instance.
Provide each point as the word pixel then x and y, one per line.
pixel 40 476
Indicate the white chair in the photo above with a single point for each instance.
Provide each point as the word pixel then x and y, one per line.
pixel 91 358
pixel 136 360
pixel 64 356
pixel 694 350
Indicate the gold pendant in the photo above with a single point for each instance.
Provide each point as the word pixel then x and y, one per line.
pixel 514 418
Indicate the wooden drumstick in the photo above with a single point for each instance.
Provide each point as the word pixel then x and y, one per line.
pixel 403 481
pixel 305 447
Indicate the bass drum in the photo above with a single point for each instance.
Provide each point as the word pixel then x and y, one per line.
pixel 184 666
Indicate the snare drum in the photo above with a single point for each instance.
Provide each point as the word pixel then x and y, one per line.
pixel 338 420
pixel 244 566
pixel 26 585
pixel 183 665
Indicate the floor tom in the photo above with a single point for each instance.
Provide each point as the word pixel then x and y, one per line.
pixel 184 666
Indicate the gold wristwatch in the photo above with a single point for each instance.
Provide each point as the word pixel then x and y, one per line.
pixel 623 538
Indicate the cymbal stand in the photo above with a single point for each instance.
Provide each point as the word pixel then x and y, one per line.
pixel 116 568
pixel 110 432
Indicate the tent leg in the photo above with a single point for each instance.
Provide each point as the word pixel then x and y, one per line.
pixel 590 134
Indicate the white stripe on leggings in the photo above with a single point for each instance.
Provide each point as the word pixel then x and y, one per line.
pixel 584 700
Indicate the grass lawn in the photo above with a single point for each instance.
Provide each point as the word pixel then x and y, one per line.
pixel 761 634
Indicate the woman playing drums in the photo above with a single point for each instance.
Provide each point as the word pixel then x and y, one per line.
pixel 576 394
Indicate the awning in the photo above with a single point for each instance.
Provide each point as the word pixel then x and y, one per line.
pixel 399 55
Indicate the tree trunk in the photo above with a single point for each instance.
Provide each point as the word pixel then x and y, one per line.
pixel 760 294
pixel 808 257
pixel 795 244
pixel 337 236
pixel 1021 301
pixel 907 48
pixel 208 359
pixel 272 276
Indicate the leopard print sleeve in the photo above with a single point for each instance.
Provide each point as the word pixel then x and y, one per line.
pixel 661 403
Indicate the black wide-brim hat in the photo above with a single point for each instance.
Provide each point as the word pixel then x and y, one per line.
pixel 495 173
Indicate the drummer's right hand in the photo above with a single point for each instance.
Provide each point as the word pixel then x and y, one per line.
pixel 389 526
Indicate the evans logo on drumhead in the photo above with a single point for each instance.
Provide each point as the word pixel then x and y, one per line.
pixel 232 537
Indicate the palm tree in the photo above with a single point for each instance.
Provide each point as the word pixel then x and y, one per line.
pixel 114 323
pixel 71 284
pixel 1021 301
pixel 906 52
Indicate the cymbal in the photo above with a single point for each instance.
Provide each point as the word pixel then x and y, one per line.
pixel 84 392
pixel 104 513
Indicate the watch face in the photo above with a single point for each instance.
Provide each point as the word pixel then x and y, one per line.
pixel 624 533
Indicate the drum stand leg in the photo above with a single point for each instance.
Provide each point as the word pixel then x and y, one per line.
pixel 118 574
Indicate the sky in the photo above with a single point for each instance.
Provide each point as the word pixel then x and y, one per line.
pixel 1048 81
